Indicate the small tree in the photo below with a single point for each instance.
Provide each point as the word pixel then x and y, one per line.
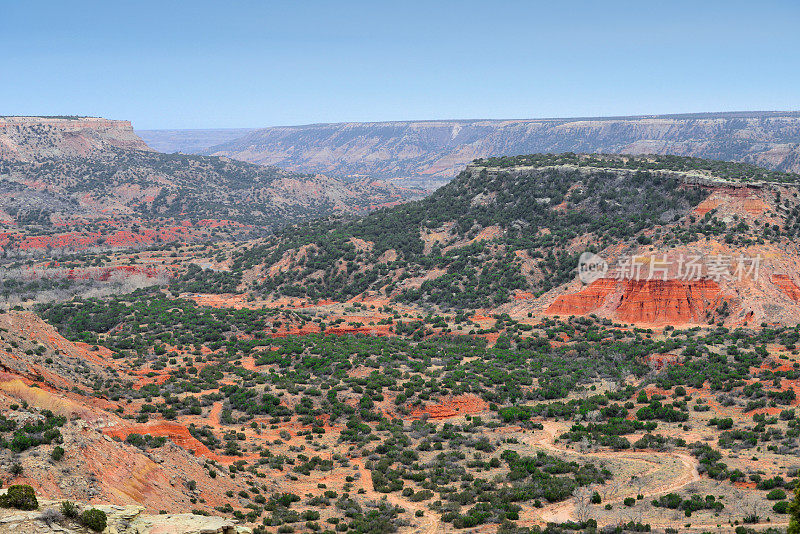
pixel 21 497
pixel 94 519
pixel 794 510
pixel 583 499
pixel 70 509
pixel 58 453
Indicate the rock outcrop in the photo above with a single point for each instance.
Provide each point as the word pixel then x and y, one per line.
pixel 654 302
pixel 121 520
pixel 585 301
pixel 30 138
pixel 787 285
pixel 667 301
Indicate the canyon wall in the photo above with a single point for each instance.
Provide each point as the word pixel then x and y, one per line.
pixel 430 153
pixel 31 138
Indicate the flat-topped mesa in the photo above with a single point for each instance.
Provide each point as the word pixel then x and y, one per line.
pixel 32 138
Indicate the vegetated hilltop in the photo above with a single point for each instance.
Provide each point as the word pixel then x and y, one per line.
pixel 512 229
pixel 429 153
pixel 77 182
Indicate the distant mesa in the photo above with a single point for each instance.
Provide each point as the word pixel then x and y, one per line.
pixel 430 153
pixel 29 138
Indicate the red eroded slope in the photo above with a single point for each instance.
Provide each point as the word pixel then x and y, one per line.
pixel 667 301
pixel 740 199
pixel 175 432
pixel 584 301
pixel 787 285
pixel 452 407
pixel 644 301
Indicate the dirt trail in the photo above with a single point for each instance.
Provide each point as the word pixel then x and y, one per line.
pixel 564 511
pixel 213 414
pixel 430 523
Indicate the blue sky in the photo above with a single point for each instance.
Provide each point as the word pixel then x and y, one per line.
pixel 199 64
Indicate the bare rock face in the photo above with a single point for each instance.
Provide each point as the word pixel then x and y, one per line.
pixel 29 138
pixel 430 153
pixel 121 520
pixel 585 301
pixel 673 302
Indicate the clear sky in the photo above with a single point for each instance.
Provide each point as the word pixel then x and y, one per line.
pixel 202 64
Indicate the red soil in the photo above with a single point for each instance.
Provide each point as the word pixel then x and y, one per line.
pixel 643 301
pixel 667 301
pixel 787 285
pixel 374 330
pixel 659 361
pixel 112 238
pixel 176 433
pixel 585 300
pixel 452 407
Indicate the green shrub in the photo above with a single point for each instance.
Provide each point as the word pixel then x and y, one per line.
pixel 70 509
pixel 776 495
pixel 781 507
pixel 21 497
pixel 94 519
pixel 58 453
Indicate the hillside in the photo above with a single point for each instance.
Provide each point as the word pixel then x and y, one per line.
pixel 512 231
pixel 33 138
pixel 75 182
pixel 437 366
pixel 429 153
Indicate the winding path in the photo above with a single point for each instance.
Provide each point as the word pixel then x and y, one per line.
pixel 564 511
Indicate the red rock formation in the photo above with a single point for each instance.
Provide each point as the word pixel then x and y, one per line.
pixel 452 407
pixel 787 285
pixel 585 301
pixel 738 199
pixel 666 301
pixel 643 301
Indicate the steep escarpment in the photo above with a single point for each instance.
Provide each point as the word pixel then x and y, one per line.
pixel 703 282
pixel 432 152
pixel 657 302
pixel 31 138
pixel 585 301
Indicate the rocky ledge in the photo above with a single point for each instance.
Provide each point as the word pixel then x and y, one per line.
pixel 121 520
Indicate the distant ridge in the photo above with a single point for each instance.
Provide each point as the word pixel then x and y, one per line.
pixel 190 141
pixel 431 152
